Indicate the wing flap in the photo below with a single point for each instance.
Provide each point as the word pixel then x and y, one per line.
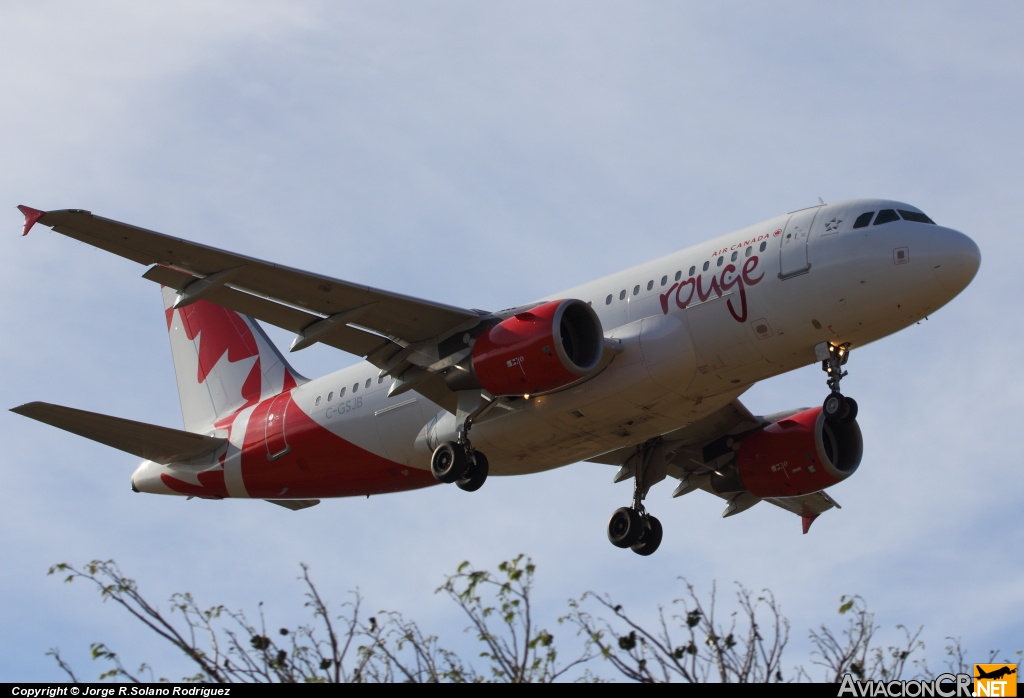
pixel 147 441
pixel 349 339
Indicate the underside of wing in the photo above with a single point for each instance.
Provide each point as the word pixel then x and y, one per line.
pixel 393 331
pixel 147 441
pixel 734 418
pixel 702 455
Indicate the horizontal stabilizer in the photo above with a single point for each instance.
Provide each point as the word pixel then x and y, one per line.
pixel 148 441
pixel 294 504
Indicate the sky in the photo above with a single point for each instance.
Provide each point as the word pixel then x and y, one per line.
pixel 483 155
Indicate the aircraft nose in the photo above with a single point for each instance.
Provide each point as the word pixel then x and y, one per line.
pixel 956 259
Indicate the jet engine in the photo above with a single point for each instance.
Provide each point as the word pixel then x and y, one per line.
pixel 538 350
pixel 798 455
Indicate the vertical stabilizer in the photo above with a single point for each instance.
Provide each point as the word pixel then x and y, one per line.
pixel 223 361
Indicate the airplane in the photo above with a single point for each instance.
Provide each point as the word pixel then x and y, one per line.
pixel 995 674
pixel 641 369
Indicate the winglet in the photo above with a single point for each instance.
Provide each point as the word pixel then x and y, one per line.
pixel 31 216
pixel 808 520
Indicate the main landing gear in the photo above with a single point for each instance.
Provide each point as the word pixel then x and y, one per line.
pixel 461 464
pixel 632 527
pixel 837 407
pixel 457 461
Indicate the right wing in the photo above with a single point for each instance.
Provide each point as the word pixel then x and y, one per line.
pixel 693 452
pixel 401 335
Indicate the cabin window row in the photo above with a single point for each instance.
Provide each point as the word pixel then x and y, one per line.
pixel 341 393
pixel 693 270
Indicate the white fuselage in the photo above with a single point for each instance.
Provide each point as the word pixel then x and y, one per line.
pixel 697 328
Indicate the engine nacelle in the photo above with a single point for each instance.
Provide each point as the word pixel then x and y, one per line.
pixel 536 351
pixel 797 455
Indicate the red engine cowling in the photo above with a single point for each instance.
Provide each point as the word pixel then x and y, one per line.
pixel 538 350
pixel 798 455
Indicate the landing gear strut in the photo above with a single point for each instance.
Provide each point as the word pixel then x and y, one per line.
pixel 457 461
pixel 837 407
pixel 632 527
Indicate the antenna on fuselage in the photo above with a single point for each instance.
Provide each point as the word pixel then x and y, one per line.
pixel 820 201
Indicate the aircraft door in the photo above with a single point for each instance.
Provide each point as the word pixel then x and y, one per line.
pixel 277 444
pixel 793 254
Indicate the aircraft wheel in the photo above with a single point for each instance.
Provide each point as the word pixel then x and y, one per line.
pixel 448 462
pixel 851 411
pixel 625 527
pixel 650 539
pixel 475 475
pixel 835 407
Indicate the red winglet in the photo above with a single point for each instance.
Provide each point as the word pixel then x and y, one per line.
pixel 31 216
pixel 808 520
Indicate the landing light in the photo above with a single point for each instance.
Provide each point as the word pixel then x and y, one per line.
pixel 526 396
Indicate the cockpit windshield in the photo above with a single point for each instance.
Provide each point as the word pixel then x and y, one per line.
pixel 888 215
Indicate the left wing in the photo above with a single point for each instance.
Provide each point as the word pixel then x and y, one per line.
pixel 401 335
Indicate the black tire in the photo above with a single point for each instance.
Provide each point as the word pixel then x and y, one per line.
pixel 851 411
pixel 448 462
pixel 476 474
pixel 651 538
pixel 625 527
pixel 834 407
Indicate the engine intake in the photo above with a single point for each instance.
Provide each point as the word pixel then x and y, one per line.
pixel 535 351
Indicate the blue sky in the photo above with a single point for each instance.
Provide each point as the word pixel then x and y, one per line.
pixel 484 155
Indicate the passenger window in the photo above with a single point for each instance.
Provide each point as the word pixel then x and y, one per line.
pixel 664 280
pixel 636 289
pixel 720 260
pixel 330 396
pixel 915 216
pixel 693 270
pixel 679 275
pixel 355 388
pixel 341 392
pixel 380 379
pixel 863 220
pixel 764 246
pixel 317 403
pixel 608 300
pixel 368 382
pixel 706 265
pixel 622 294
pixel 734 256
pixel 749 250
pixel 650 284
pixel 886 215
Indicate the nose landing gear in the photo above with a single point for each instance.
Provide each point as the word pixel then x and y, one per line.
pixel 837 407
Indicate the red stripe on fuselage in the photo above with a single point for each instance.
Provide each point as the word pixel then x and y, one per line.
pixel 319 463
